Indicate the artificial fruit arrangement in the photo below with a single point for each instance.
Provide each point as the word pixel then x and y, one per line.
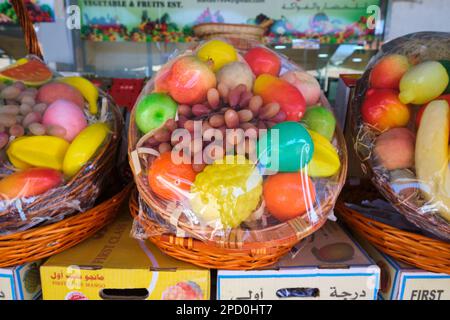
pixel 49 129
pixel 404 132
pixel 234 139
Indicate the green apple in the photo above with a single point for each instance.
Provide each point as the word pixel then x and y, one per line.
pixel 154 110
pixel 320 120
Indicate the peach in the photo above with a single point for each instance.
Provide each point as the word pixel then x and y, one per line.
pixel 53 91
pixel 66 115
pixel 395 148
pixel 306 84
pixel 388 71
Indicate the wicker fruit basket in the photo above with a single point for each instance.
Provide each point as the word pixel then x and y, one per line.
pixel 241 228
pixel 228 30
pixel 45 241
pixel 50 222
pixel 416 250
pixel 401 144
pixel 78 193
pixel 81 188
pixel 202 254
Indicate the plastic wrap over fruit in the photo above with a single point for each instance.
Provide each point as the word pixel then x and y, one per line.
pixel 224 148
pixel 401 126
pixel 53 140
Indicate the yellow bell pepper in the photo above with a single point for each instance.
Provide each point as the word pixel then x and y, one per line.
pixel 325 160
pixel 37 151
pixel 83 147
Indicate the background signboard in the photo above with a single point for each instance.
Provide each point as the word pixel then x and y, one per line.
pixel 331 21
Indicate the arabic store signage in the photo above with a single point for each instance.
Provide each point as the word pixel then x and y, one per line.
pixel 330 21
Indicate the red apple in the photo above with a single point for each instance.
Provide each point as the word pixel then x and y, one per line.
pixel 422 108
pixel 387 72
pixel 383 110
pixel 262 60
pixel 189 80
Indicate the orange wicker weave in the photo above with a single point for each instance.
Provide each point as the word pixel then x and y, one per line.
pixel 206 255
pixel 414 249
pixel 238 30
pixel 42 242
pixel 240 35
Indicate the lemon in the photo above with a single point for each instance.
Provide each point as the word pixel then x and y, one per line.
pixel 226 192
pixel 219 52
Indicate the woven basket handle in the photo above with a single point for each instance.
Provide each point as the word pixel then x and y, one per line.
pixel 31 39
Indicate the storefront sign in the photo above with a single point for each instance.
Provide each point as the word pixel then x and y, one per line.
pixel 331 21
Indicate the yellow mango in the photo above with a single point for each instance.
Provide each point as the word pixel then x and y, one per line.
pixel 325 160
pixel 83 147
pixel 38 151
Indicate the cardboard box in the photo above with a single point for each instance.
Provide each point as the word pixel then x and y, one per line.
pixel 327 265
pixel 20 282
pixel 113 265
pixel 400 281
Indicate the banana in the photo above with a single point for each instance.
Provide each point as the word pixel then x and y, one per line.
pixel 432 155
pixel 87 89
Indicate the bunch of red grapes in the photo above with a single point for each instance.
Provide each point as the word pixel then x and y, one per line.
pixel 224 109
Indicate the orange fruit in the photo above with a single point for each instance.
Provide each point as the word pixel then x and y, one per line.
pixel 288 195
pixel 168 180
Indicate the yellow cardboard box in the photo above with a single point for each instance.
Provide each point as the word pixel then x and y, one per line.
pixel 113 265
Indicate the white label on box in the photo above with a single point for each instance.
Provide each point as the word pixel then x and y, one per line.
pixel 299 284
pixel 6 287
pixel 424 287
